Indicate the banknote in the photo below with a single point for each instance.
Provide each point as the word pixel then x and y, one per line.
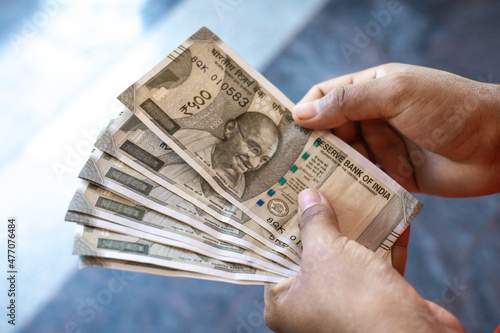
pixel 101 203
pixel 129 140
pixel 103 243
pixel 207 247
pixel 131 266
pixel 235 129
pixel 112 174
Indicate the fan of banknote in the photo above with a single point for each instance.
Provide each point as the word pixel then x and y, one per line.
pixel 199 176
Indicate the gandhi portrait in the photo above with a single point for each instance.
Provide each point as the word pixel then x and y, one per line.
pixel 249 142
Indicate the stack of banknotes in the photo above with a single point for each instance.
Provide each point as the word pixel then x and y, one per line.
pixel 199 177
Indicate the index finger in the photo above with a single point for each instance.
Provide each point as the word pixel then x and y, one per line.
pixel 400 251
pixel 321 89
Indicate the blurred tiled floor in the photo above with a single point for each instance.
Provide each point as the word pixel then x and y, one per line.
pixel 454 253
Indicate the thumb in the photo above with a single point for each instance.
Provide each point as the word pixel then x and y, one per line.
pixel 360 101
pixel 319 228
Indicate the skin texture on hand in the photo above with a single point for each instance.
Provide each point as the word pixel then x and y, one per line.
pixel 431 131
pixel 344 287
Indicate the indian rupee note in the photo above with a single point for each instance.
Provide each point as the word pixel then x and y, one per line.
pixel 99 202
pixel 235 129
pixel 130 141
pixel 205 247
pixel 137 267
pixel 113 174
pixel 103 243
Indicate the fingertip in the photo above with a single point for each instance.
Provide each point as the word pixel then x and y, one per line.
pixel 398 259
pixel 305 111
pixel 313 205
pixel 317 114
pixel 308 198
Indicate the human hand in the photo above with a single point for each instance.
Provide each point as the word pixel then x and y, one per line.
pixel 432 131
pixel 344 287
pixel 399 251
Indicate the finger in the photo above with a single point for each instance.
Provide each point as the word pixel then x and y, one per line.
pixel 325 87
pixel 400 252
pixel 380 98
pixel 349 132
pixel 318 221
pixel 404 239
pixel 316 92
pixel 360 147
pixel 389 151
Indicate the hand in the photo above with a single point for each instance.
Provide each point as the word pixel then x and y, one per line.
pixel 432 131
pixel 344 287
pixel 399 252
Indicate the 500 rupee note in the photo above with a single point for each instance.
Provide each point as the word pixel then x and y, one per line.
pixel 137 267
pixel 130 141
pixel 102 243
pixel 107 171
pixel 235 129
pixel 99 202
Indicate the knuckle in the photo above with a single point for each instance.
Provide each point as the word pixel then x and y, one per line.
pixel 399 90
pixel 335 99
pixel 316 89
pixel 315 212
pixel 316 92
pixel 401 81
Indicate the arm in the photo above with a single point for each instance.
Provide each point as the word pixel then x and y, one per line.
pixel 432 131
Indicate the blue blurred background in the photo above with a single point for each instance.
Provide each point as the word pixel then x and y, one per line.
pixel 62 62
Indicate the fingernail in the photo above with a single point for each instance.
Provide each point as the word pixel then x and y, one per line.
pixel 308 198
pixel 306 111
